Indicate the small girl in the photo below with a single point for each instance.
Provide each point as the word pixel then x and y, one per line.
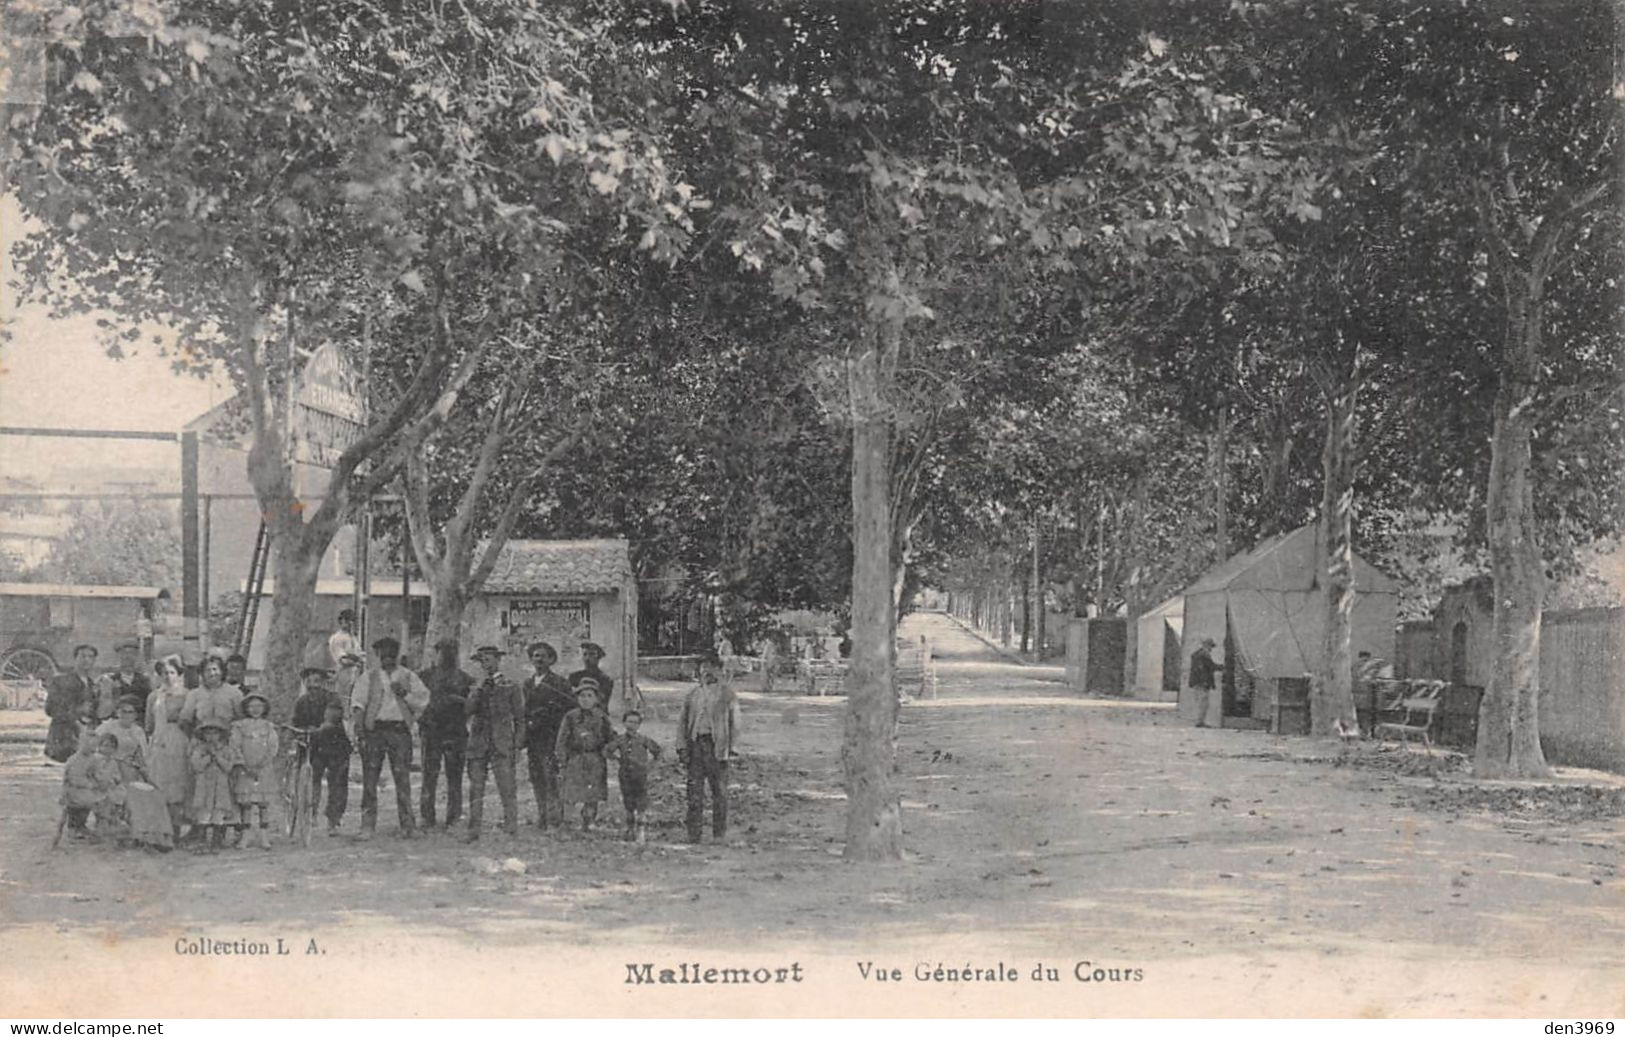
pixel 255 742
pixel 636 754
pixel 213 759
pixel 583 737
pixel 90 783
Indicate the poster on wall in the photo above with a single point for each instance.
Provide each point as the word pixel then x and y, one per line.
pixel 561 622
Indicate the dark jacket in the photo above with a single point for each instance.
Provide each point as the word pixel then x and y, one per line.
pixel 66 699
pixel 1203 668
pixel 137 685
pixel 310 708
pixel 330 745
pixel 446 716
pixel 546 703
pixel 496 709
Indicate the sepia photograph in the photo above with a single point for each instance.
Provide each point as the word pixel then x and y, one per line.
pixel 519 509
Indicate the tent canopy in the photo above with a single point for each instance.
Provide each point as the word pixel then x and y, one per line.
pixel 1288 562
pixel 1271 603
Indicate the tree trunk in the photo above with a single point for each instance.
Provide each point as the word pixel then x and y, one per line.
pixel 1333 696
pixel 1221 486
pixel 298 562
pixel 448 600
pixel 1277 466
pixel 874 826
pixel 1037 596
pixel 1026 617
pixel 1134 591
pixel 1509 717
pixel 1007 611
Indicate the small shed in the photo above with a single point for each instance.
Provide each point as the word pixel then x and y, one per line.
pixel 1266 609
pixel 563 592
pixel 1158 659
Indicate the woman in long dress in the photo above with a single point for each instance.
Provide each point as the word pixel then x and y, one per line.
pixel 148 813
pixel 166 742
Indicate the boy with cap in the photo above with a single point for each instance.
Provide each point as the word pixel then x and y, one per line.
pixel 496 708
pixel 90 781
pixel 636 753
pixel 547 700
pixel 330 764
pixel 591 655
pixel 444 730
pixel 386 701
pixel 584 738
pixel 310 708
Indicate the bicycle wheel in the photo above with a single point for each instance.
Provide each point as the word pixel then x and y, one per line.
pixel 303 808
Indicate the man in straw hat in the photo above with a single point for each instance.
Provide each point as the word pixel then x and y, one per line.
pixel 497 708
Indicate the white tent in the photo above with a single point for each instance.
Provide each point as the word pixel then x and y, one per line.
pixel 1157 643
pixel 1266 607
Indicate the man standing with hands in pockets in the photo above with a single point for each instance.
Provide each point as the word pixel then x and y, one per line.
pixel 386 701
pixel 496 707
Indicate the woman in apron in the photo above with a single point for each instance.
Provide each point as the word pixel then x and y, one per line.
pixel 166 742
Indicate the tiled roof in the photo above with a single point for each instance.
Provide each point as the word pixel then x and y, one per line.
pixel 560 567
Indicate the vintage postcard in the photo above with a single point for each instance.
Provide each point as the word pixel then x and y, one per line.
pixel 937 508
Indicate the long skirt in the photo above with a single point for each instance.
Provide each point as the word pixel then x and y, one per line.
pixel 149 814
pixel 166 762
pixel 585 778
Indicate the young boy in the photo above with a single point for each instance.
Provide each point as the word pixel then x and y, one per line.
pixel 583 737
pixel 635 754
pixel 90 782
pixel 330 762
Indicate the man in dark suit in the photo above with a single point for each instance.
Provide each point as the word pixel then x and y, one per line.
pixel 1203 671
pixel 70 702
pixel 129 680
pixel 547 699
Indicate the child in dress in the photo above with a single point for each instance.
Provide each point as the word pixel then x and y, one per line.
pixel 213 759
pixel 255 741
pixel 90 783
pixel 583 737
pixel 636 753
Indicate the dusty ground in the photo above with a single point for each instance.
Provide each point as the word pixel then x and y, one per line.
pixel 1240 872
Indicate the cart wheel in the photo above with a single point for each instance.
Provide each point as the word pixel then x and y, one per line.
pixel 27 664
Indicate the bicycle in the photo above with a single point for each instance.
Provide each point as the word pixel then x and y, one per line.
pixel 299 787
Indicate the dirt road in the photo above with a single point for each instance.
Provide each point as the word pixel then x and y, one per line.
pixel 1220 872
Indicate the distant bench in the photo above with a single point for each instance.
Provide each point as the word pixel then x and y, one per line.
pixel 1416 706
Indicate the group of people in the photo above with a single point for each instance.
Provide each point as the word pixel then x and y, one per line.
pixel 149 758
pixel 159 763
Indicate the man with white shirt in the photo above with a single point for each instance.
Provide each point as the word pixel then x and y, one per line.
pixel 705 739
pixel 386 701
pixel 343 641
